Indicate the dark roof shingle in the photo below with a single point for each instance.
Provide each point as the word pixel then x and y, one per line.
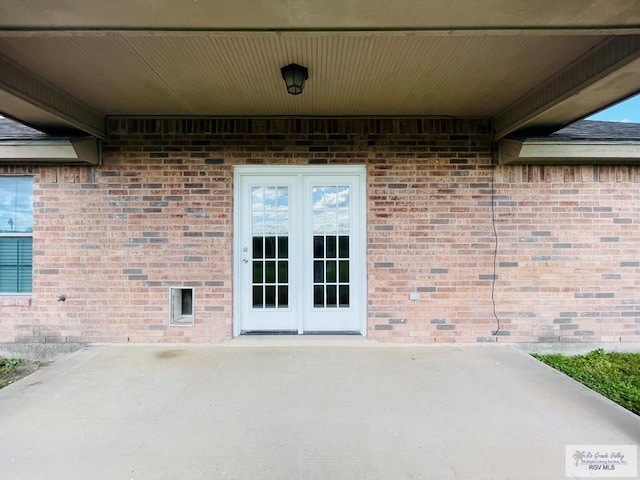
pixel 10 130
pixel 595 130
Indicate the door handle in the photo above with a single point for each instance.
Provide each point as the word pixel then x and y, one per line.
pixel 244 260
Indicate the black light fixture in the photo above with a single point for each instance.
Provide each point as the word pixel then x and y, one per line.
pixel 294 76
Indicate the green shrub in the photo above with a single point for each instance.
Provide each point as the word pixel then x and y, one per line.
pixel 8 364
pixel 614 375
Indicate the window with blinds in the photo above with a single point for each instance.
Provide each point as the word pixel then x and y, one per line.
pixel 16 234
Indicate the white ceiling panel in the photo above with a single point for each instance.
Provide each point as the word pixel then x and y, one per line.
pixel 349 73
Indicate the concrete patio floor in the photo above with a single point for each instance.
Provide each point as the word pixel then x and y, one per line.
pixel 300 408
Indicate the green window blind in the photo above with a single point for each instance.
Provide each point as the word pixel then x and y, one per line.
pixel 15 264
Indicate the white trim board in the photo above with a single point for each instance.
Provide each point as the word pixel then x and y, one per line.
pixel 568 152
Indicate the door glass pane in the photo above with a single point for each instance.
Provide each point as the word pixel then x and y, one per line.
pixel 344 246
pixel 270 272
pixel 257 247
pixel 270 247
pixel 257 272
pixel 318 296
pixel 318 246
pixel 270 228
pixel 270 296
pixel 283 247
pixel 283 296
pixel 283 272
pixel 257 210
pixel 331 247
pixel 257 220
pixel 270 222
pixel 331 271
pixel 330 220
pixel 344 295
pixel 331 296
pixel 318 271
pixel 331 238
pixel 318 195
pixel 282 205
pixel 344 271
pixel 343 220
pixel 258 301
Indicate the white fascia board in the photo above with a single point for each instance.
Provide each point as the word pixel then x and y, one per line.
pixel 18 82
pixel 615 55
pixel 37 152
pixel 568 152
pixel 80 151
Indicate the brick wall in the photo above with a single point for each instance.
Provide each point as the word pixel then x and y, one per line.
pixel 159 213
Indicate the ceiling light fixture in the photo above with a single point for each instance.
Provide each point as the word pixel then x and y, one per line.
pixel 294 76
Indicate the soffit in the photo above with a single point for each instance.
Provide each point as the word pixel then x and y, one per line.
pixel 133 73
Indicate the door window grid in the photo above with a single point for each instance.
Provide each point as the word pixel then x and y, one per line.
pixel 331 249
pixel 270 246
pixel 331 210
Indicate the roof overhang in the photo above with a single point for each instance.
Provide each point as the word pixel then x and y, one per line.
pixel 568 152
pixel 536 66
pixel 51 151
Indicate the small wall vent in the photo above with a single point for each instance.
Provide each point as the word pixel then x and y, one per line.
pixel 182 306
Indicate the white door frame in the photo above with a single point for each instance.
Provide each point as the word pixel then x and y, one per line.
pixel 359 223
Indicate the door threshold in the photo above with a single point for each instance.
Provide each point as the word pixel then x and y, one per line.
pixel 295 332
pixel 270 332
pixel 317 340
pixel 338 332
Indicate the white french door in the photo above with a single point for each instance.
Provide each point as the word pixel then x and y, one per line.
pixel 300 248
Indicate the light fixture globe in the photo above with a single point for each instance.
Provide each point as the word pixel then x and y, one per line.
pixel 294 76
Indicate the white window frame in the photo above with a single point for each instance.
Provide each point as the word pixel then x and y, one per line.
pixel 20 235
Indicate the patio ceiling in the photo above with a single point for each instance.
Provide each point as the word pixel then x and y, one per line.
pixel 525 65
